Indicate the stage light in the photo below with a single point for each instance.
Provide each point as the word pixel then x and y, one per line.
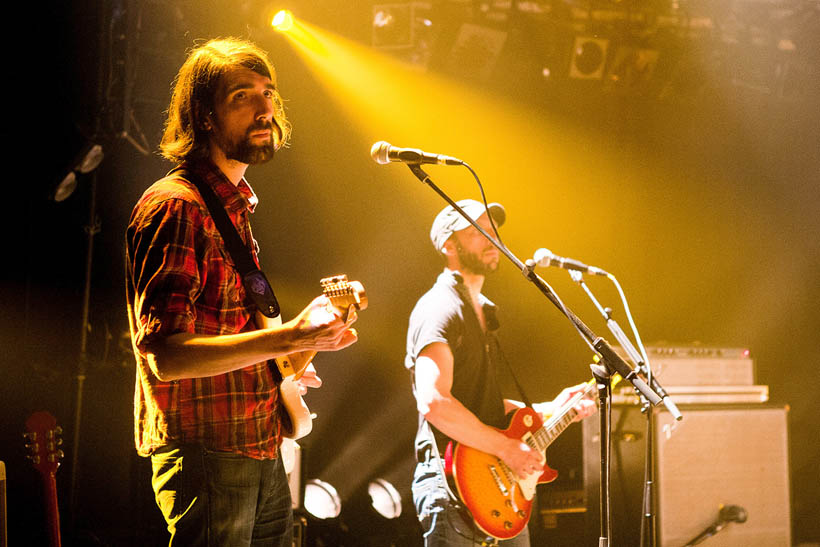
pixel 631 69
pixel 476 51
pixel 393 26
pixel 282 21
pixel 321 499
pixel 85 162
pixel 384 498
pixel 588 58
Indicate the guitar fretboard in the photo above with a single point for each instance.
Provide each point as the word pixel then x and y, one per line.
pixel 559 421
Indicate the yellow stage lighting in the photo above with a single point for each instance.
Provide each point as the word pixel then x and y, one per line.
pixel 282 21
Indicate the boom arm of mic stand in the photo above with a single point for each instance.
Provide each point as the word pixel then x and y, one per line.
pixel 601 346
pixel 630 350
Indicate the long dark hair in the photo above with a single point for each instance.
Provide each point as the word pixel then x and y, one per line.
pixel 195 86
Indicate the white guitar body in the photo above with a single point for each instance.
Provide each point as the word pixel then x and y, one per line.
pixel 301 422
pixel 298 419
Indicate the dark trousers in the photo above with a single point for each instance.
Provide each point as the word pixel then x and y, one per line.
pixel 222 499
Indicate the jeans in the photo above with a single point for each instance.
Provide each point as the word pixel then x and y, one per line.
pixel 442 523
pixel 218 498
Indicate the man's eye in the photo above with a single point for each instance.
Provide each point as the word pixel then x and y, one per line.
pixel 239 96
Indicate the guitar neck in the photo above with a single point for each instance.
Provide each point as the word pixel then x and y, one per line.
pixel 52 510
pixel 560 420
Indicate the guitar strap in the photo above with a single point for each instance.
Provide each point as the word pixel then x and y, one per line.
pixel 428 431
pixel 524 398
pixel 253 279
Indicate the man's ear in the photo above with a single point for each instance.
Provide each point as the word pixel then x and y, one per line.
pixel 203 120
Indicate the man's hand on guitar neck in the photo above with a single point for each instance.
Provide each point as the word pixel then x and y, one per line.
pixel 322 327
pixel 585 407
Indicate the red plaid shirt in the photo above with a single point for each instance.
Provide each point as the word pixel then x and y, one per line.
pixel 180 278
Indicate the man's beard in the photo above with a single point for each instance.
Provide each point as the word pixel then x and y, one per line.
pixel 246 151
pixel 472 263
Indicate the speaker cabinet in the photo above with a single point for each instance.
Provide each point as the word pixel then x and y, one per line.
pixel 717 455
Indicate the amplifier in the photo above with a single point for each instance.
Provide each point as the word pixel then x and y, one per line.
pixel 701 366
pixel 717 455
pixel 693 395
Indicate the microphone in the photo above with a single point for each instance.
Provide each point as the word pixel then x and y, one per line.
pixel 732 513
pixel 544 257
pixel 727 514
pixel 383 152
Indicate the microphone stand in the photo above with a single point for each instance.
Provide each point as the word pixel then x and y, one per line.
pixel 648 520
pixel 603 378
pixel 608 358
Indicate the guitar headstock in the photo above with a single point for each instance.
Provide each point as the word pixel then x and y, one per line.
pixel 43 439
pixel 344 293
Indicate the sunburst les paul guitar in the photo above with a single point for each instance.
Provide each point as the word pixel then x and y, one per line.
pixel 500 502
pixel 296 418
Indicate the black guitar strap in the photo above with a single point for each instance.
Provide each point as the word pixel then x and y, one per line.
pixel 524 398
pixel 253 279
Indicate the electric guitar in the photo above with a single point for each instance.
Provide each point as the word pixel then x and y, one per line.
pixel 296 418
pixel 499 502
pixel 42 440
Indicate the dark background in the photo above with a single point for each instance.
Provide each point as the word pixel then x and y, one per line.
pixel 697 188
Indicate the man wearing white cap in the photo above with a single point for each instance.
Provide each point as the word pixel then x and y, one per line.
pixel 453 356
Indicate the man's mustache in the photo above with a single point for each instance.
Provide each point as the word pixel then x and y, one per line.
pixel 263 125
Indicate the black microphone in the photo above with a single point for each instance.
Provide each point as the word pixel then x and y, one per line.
pixel 383 152
pixel 727 514
pixel 544 257
pixel 732 513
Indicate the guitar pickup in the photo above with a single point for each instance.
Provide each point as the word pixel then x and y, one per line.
pixel 498 482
